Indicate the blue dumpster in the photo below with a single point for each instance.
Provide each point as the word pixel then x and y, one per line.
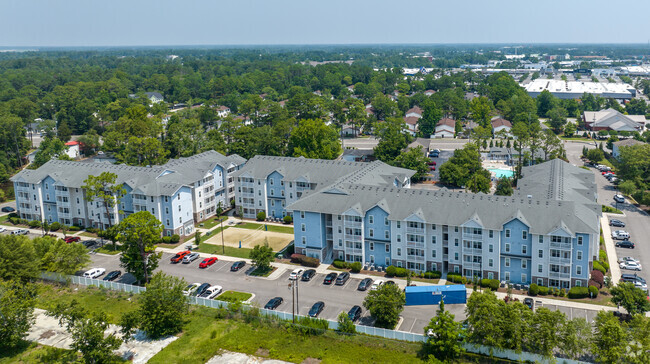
pixel 431 295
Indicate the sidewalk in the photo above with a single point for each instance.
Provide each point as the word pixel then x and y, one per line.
pixel 610 249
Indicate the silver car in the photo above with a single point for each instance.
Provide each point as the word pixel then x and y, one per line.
pixel 190 258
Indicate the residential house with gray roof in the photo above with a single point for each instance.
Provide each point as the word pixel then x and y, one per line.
pixel 178 193
pixel 547 233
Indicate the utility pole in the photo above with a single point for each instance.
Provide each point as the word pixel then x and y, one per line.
pixel 295 305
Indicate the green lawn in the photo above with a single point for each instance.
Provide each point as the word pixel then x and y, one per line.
pixel 4 220
pixel 230 251
pixel 34 353
pixel 88 234
pixel 611 210
pixel 272 228
pixel 210 223
pixel 234 296
pixel 108 249
pixel 258 272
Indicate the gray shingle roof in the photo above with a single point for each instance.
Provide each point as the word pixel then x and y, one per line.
pixel 541 213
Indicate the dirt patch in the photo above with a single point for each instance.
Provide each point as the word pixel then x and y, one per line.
pixel 262 352
pixel 249 238
pixel 311 361
pixel 47 334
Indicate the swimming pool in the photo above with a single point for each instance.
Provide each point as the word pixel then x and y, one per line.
pixel 502 172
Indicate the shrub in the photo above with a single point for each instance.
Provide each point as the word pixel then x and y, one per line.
pixel 55 226
pixel 336 263
pixel 92 230
pixel 401 272
pixel 305 260
pixel 593 291
pixel 543 291
pixel 34 224
pixel 602 240
pixel 390 270
pixel 355 267
pixel 175 239
pixel 456 278
pixel 261 216
pixel 604 264
pixel 578 292
pixel 598 277
pixel 14 220
pixel 166 239
pixel 287 219
pixel 75 228
pixel 602 255
pixel 562 292
pixel 533 290
pixel 12 214
pixel 599 267
pixel 432 275
pixel 23 221
pixel 492 284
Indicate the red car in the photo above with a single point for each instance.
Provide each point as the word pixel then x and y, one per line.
pixel 72 239
pixel 207 262
pixel 179 256
pixel 432 163
pixel 433 168
pixel 607 172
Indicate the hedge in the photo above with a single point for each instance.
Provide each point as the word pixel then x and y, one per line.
pixel 305 260
pixel 602 255
pixel 337 264
pixel 593 291
pixel 605 264
pixel 599 267
pixel 393 271
pixel 456 278
pixel 598 277
pixel 533 290
pixel 55 226
pixel 543 291
pixel 287 219
pixel 175 239
pixel 492 284
pixel 355 267
pixel 432 274
pixel 261 216
pixel 34 224
pixel 578 292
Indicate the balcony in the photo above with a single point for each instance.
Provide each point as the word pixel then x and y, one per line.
pixel 559 275
pixel 472 265
pixel 414 230
pixel 472 251
pixel 328 223
pixel 560 261
pixel 243 183
pixel 352 237
pixel 353 251
pixel 329 236
pixel 563 246
pixel 415 258
pixel 474 237
pixel 414 244
pixel 352 223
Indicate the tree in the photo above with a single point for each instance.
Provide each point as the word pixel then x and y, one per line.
pixel 627 187
pixel 570 129
pixel 543 335
pixel 610 338
pixel 442 336
pixel 484 319
pixel 104 190
pixel 385 304
pixel 414 159
pixel 314 139
pixel 219 213
pixel 16 312
pixel 595 155
pixel 88 332
pixel 49 148
pixel 162 308
pixel 197 238
pixel 464 169
pixel 504 187
pixel 262 256
pixel 557 118
pixel 392 140
pixel 431 115
pixel 631 298
pixel 55 255
pixel 138 234
pixel 481 108
pixel 545 102
pixel 346 325
pixel 575 337
pixel 17 257
pixel 551 145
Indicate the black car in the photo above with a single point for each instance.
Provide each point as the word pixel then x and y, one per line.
pixel 632 278
pixel 8 209
pixel 330 278
pixel 364 284
pixel 390 283
pixel 528 302
pixel 625 244
pixel 355 313
pixel 89 243
pixel 316 309
pixel 308 275
pixel 617 223
pixel 237 265
pixel 273 303
pixel 342 278
pixel 199 291
pixel 111 276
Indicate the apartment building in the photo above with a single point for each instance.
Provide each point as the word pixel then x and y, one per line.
pixel 270 184
pixel 546 233
pixel 178 193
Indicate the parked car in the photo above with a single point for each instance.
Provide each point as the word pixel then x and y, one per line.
pixel 190 258
pixel 431 163
pixel 237 265
pixel 273 303
pixel 620 235
pixel 613 180
pixel 179 256
pixel 378 283
pixel 619 198
pixel 94 272
pixel 2 229
pixel 616 223
pixel 89 243
pixel 208 262
pixel 631 266
pixel 329 278
pixel 20 232
pixel 212 292
pixel 342 278
pixel 316 309
pixel 625 244
pixel 113 275
pixel 364 284
pixel 355 313
pixel 632 278
pixel 8 209
pixel 529 302
pixel 627 259
pixel 296 274
pixel 71 239
pixel 199 291
pixel 641 286
pixel 625 317
pixel 432 168
pixel 390 283
pixel 191 288
pixel 308 275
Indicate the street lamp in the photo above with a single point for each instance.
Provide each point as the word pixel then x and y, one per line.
pixel 295 307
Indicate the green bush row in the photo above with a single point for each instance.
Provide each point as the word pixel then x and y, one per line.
pixel 492 284
pixel 305 260
pixel 579 292
pixel 599 267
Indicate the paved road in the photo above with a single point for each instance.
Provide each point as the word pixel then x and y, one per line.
pixel 637 222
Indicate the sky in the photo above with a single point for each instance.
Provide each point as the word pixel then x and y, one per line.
pixel 80 23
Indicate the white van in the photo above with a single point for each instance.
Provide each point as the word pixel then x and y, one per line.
pixel 94 272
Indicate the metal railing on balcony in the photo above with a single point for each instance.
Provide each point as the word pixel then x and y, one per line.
pixel 559 275
pixel 563 246
pixel 415 258
pixel 414 230
pixel 414 244
pixel 352 237
pixel 560 261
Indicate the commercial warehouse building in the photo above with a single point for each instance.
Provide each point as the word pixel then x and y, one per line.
pixel 178 193
pixel 547 233
pixel 575 89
